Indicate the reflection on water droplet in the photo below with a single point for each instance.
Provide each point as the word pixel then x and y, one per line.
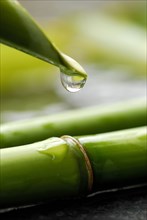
pixel 72 83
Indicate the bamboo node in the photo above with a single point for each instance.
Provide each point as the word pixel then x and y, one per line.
pixel 68 138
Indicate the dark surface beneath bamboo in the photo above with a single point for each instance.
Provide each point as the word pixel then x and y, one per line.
pixel 128 204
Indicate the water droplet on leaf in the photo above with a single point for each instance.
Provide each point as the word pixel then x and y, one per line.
pixel 72 83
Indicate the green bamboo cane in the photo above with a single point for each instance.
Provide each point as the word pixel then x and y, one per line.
pixel 19 30
pixel 78 122
pixel 56 168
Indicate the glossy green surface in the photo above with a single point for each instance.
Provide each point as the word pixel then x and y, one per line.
pixel 118 158
pixel 43 170
pixel 20 31
pixel 78 122
pixel 53 169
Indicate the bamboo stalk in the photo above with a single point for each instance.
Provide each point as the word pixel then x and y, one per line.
pixel 55 168
pixel 78 122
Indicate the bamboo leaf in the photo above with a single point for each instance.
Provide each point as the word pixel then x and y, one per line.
pixel 19 30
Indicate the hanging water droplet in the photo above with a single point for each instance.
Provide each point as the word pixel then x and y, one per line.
pixel 73 76
pixel 72 83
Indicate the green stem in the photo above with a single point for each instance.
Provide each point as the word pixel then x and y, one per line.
pixel 78 122
pixel 19 30
pixel 118 158
pixel 54 168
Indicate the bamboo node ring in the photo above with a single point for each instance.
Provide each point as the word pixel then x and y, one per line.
pixel 68 138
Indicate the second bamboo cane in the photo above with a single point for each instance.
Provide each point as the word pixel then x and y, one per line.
pixel 78 122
